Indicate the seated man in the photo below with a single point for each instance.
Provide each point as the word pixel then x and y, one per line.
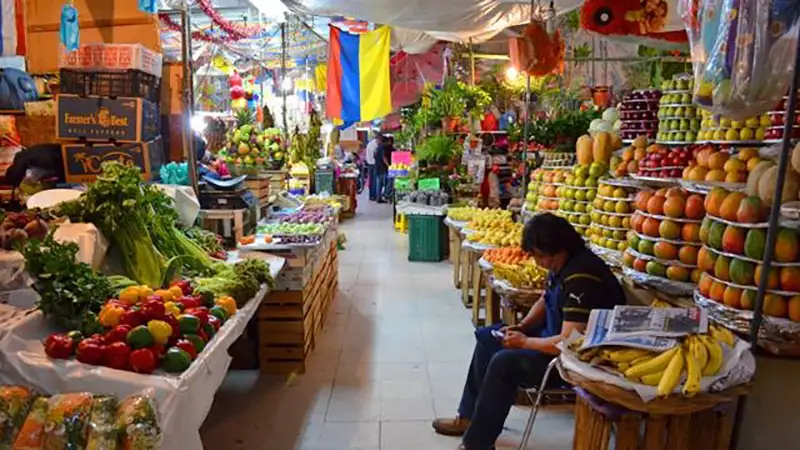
pixel 578 282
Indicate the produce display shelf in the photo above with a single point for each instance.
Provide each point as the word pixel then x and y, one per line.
pixel 705 186
pixel 669 241
pixel 751 260
pixel 661 181
pixel 183 400
pixel 752 143
pixel 665 285
pixel 751 287
pixel 675 143
pixel 665 262
pixel 673 219
pixel 606 213
pixel 625 199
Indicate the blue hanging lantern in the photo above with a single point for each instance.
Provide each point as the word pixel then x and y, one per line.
pixel 148 6
pixel 69 27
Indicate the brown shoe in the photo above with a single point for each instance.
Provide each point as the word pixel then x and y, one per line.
pixel 451 426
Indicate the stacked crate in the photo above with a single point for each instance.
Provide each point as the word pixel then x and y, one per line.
pixel 291 318
pixel 108 110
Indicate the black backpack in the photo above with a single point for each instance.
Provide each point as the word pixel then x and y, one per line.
pixel 16 89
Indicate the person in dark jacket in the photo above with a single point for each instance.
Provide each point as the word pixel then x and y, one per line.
pixel 509 357
pixel 45 157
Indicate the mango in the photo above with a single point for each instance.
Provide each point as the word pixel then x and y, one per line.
pixel 656 269
pixel 754 243
pixel 705 229
pixel 786 246
pixel 751 210
pixel 722 268
pixel 790 279
pixel 742 272
pixel 715 235
pixel 733 240
pixel 730 206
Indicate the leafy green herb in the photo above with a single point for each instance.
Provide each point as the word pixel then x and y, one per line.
pixel 70 292
pixel 437 149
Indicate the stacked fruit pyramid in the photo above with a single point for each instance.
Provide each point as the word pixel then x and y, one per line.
pixel 543 189
pixel 638 114
pixel 577 193
pixel 752 130
pixel 734 235
pixel 630 158
pixel 665 239
pixel 678 370
pixel 712 164
pixel 679 120
pixel 611 216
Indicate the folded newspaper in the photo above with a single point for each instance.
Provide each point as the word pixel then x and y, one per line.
pixel 630 321
pixel 598 334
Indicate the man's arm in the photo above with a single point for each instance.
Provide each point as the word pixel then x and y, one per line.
pixel 535 315
pixel 548 345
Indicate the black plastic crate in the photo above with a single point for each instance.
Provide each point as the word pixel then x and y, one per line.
pixel 127 83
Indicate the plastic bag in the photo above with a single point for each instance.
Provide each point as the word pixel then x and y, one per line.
pixel 32 434
pixel 137 422
pixel 103 432
pixel 67 421
pixel 15 401
pixel 752 59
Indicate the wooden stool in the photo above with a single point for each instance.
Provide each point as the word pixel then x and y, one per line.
pixel 676 423
pixel 468 260
pixel 455 254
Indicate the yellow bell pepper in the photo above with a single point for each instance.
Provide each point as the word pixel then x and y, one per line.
pixel 227 303
pixel 144 292
pixel 172 309
pixel 177 292
pixel 130 295
pixel 165 294
pixel 110 315
pixel 160 330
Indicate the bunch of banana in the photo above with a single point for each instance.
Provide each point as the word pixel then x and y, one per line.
pixel 525 275
pixel 534 276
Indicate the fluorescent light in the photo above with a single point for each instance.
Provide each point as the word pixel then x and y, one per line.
pixel 198 123
pixel 512 73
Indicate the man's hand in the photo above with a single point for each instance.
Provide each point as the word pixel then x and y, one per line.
pixel 508 328
pixel 514 339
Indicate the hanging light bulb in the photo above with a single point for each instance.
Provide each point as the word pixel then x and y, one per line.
pixel 511 73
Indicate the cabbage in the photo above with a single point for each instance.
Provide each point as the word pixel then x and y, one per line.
pixel 617 125
pixel 598 125
pixel 594 124
pixel 611 115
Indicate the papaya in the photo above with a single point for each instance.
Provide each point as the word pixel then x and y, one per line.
pixel 786 245
pixel 742 272
pixel 705 229
pixel 730 206
pixel 602 147
pixel 754 243
pixel 722 268
pixel 583 149
pixel 751 210
pixel 733 240
pixel 715 235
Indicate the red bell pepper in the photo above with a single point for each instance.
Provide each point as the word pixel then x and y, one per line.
pixel 91 350
pixel 203 335
pixel 58 346
pixel 143 360
pixel 132 317
pixel 215 322
pixel 116 355
pixel 189 302
pixel 201 312
pixel 117 334
pixel 187 346
pixel 184 285
pixel 160 349
pixel 153 309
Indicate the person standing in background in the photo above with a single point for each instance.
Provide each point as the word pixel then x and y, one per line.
pixel 372 148
pixel 382 156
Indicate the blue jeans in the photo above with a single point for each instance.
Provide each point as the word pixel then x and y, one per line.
pixel 494 376
pixel 373 182
pixel 380 181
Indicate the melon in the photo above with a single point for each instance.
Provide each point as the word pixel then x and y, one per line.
pixel 766 186
pixel 583 149
pixel 755 176
pixel 796 158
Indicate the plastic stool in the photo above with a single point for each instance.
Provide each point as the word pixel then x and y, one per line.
pixel 400 223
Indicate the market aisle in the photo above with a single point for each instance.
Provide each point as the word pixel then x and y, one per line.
pixel 393 354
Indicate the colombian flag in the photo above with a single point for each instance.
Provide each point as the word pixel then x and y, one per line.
pixel 358 76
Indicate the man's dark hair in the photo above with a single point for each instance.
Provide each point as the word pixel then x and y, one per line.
pixel 550 234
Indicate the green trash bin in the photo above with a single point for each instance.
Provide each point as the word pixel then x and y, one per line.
pixel 427 238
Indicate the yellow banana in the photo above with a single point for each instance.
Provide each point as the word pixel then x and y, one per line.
pixel 672 374
pixel 656 364
pixel 624 355
pixel 658 303
pixel 699 351
pixel 722 335
pixel 652 379
pixel 693 369
pixel 714 356
pixel 589 355
pixel 642 359
pixel 623 366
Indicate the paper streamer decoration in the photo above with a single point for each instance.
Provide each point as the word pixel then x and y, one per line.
pixel 148 6
pixel 69 28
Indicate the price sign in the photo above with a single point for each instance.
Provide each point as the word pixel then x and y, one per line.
pixel 402 184
pixel 429 184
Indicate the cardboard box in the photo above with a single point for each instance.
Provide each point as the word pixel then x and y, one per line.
pixel 113 57
pixel 123 119
pixel 82 161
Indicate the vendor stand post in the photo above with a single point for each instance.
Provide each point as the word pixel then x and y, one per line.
pixel 188 94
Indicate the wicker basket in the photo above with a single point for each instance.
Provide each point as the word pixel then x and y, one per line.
pixel 672 405
pixel 34 130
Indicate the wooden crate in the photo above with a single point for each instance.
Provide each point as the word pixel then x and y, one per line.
pixel 259 185
pixel 289 321
pixel 278 179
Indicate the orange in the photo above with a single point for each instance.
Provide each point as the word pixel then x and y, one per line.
pixel 674 206
pixel 641 200
pixel 656 205
pixel 717 160
pixel 651 226
pixel 694 207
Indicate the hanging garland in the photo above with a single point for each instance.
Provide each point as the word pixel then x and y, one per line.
pixel 196 35
pixel 233 30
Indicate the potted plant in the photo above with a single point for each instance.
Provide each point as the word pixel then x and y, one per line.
pixel 449 103
pixel 437 150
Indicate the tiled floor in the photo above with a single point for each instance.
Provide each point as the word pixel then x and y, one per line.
pixel 393 355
